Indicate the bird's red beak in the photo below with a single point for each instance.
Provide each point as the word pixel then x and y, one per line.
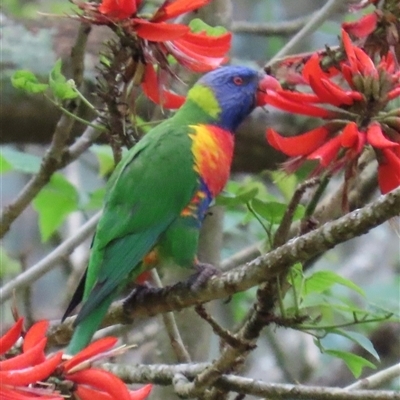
pixel 265 83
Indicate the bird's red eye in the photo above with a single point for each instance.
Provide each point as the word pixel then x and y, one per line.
pixel 237 80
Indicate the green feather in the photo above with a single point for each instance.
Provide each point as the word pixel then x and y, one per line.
pixel 145 195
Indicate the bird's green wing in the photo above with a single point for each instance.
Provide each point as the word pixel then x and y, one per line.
pixel 145 195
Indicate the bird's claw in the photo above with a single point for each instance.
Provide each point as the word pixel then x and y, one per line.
pixel 203 274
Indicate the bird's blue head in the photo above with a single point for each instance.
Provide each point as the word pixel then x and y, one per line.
pixel 229 94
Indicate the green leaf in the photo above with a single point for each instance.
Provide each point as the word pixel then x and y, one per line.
pixel 285 183
pixel 274 211
pixel 196 25
pixel 359 339
pixel 242 194
pixel 27 81
pixel 53 204
pixel 61 88
pixel 105 158
pixel 354 363
pixel 324 280
pixel 95 200
pixel 8 265
pixel 14 160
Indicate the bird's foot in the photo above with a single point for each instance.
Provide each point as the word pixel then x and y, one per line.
pixel 203 274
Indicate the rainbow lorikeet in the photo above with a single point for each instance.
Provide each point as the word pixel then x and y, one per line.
pixel 159 193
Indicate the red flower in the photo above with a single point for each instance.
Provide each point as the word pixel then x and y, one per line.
pixel 119 9
pixel 357 115
pixel 363 27
pixel 158 39
pixel 23 376
pixel 92 383
pixel 30 366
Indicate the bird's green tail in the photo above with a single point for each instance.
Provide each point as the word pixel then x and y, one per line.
pixel 85 330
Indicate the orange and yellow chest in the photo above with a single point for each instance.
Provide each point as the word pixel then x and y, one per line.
pixel 212 148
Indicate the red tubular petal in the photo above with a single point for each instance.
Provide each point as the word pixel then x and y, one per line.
pixel 142 393
pixel 275 100
pixel 97 347
pixel 29 358
pixel 11 336
pixel 87 393
pixel 393 94
pixel 363 27
pixel 389 170
pixel 365 65
pixel 349 135
pixel 35 333
pixel 158 31
pixel 377 139
pixel 347 74
pixel 201 43
pixel 349 49
pixel 151 89
pixel 338 93
pixel 300 145
pixel 300 97
pixel 118 9
pixel 192 60
pixel 26 376
pixel 101 380
pixel 327 152
pixel 170 10
pixel 313 68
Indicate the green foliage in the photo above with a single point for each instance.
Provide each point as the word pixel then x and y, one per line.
pixel 62 88
pixel 95 200
pixel 14 160
pixel 196 25
pixel 273 211
pixel 104 157
pixel 321 281
pixel 354 363
pixel 327 313
pixel 54 203
pixel 8 265
pixel 28 82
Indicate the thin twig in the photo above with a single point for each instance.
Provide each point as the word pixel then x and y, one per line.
pixel 271 28
pixel 50 261
pixel 171 326
pixel 376 380
pixel 314 23
pixel 53 158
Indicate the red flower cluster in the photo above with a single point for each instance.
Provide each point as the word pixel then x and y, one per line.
pixel 159 39
pixel 25 376
pixel 380 29
pixel 353 97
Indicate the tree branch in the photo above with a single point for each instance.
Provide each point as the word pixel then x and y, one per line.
pixel 279 28
pixel 171 326
pixel 53 158
pixel 164 374
pixel 264 268
pixel 47 263
pixel 314 23
pixel 378 379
